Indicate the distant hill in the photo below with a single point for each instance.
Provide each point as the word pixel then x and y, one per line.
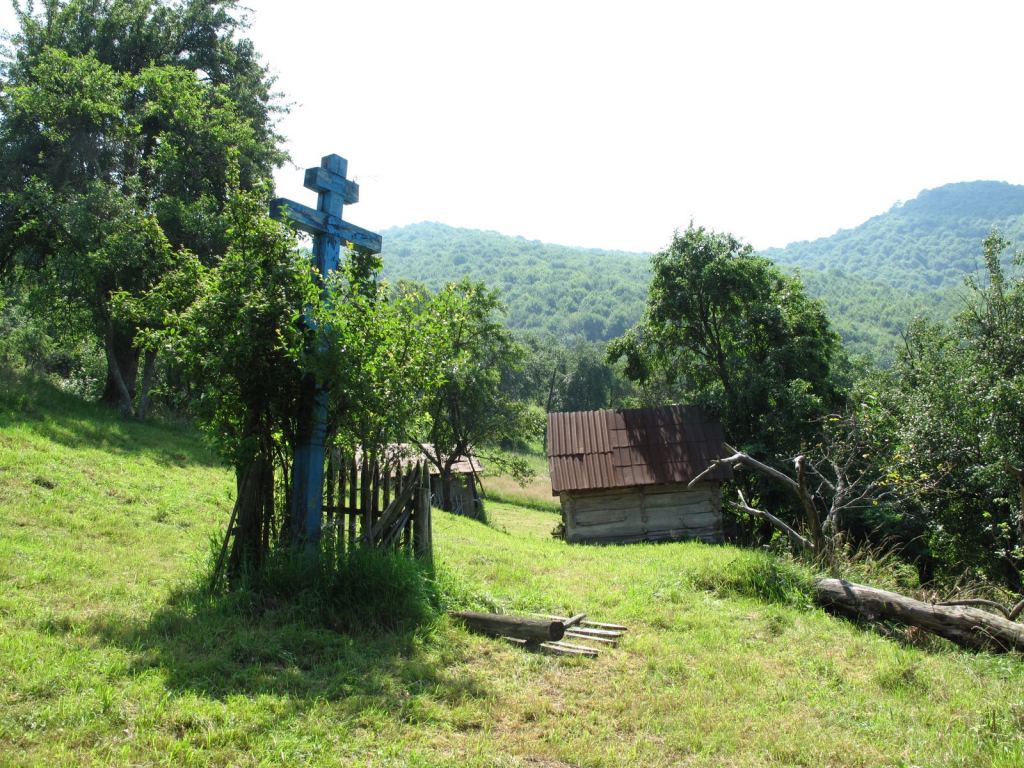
pixel 910 260
pixel 569 292
pixel 925 244
pixel 873 279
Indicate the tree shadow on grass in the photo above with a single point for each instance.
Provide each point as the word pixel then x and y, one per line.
pixel 68 420
pixel 220 646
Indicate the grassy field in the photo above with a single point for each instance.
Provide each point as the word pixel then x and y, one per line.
pixel 535 494
pixel 110 656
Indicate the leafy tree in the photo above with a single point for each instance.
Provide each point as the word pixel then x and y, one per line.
pixel 250 329
pixel 561 377
pixel 957 392
pixel 474 353
pixel 378 363
pixel 119 119
pixel 234 330
pixel 725 329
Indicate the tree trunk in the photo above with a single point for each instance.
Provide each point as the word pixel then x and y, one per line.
pixel 122 370
pixel 255 502
pixel 148 374
pixel 965 626
pixel 447 497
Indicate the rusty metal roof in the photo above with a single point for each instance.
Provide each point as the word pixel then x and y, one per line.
pixel 591 450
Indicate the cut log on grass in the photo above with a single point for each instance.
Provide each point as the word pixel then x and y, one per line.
pixel 500 625
pixel 965 626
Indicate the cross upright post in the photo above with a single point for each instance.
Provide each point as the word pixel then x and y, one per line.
pixel 325 224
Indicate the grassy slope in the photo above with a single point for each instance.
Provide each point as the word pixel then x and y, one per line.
pixel 104 659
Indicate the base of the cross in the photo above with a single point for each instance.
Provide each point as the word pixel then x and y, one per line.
pixel 308 476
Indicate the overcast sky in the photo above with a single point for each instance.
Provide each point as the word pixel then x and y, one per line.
pixel 612 124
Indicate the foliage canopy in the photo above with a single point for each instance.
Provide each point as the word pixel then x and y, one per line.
pixel 725 329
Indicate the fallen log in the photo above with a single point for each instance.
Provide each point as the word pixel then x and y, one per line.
pixel 501 625
pixel 965 626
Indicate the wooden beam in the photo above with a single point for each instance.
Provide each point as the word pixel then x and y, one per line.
pixel 393 511
pixel 595 632
pixel 359 237
pixel 319 223
pixel 302 216
pixel 322 180
pixel 500 625
pixel 568 649
pixel 590 638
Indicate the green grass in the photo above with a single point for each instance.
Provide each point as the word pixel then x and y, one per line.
pixel 535 494
pixel 110 655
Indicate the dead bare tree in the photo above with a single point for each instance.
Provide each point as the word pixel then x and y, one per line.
pixel 841 483
pixel 828 483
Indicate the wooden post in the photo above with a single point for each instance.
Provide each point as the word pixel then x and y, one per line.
pixel 365 485
pixel 375 493
pixel 332 469
pixel 353 472
pixel 342 473
pixel 405 541
pixel 423 545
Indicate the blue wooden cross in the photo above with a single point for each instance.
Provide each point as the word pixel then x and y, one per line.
pixel 328 230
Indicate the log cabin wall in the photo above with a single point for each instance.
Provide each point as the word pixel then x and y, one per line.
pixel 644 513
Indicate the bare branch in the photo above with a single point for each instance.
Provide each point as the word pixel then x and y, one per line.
pixel 794 537
pixel 741 458
pixel 1015 611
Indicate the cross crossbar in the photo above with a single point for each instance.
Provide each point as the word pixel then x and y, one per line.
pixel 322 180
pixel 321 223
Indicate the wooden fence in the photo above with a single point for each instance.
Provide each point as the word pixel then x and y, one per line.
pixel 381 506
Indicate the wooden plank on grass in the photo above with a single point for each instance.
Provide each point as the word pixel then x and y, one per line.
pixel 566 649
pixel 586 623
pixel 595 632
pixel 591 638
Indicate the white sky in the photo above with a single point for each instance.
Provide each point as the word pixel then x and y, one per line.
pixel 611 124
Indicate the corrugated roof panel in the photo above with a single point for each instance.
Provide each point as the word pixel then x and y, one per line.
pixel 642 446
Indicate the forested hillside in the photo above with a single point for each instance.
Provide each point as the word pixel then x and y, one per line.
pixel 873 278
pixel 925 244
pixel 569 292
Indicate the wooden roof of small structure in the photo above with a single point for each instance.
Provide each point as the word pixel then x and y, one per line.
pixel 404 455
pixel 593 450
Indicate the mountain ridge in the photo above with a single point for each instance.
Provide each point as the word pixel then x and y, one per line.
pixel 873 278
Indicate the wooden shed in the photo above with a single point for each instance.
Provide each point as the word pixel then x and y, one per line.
pixel 464 491
pixel 622 475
